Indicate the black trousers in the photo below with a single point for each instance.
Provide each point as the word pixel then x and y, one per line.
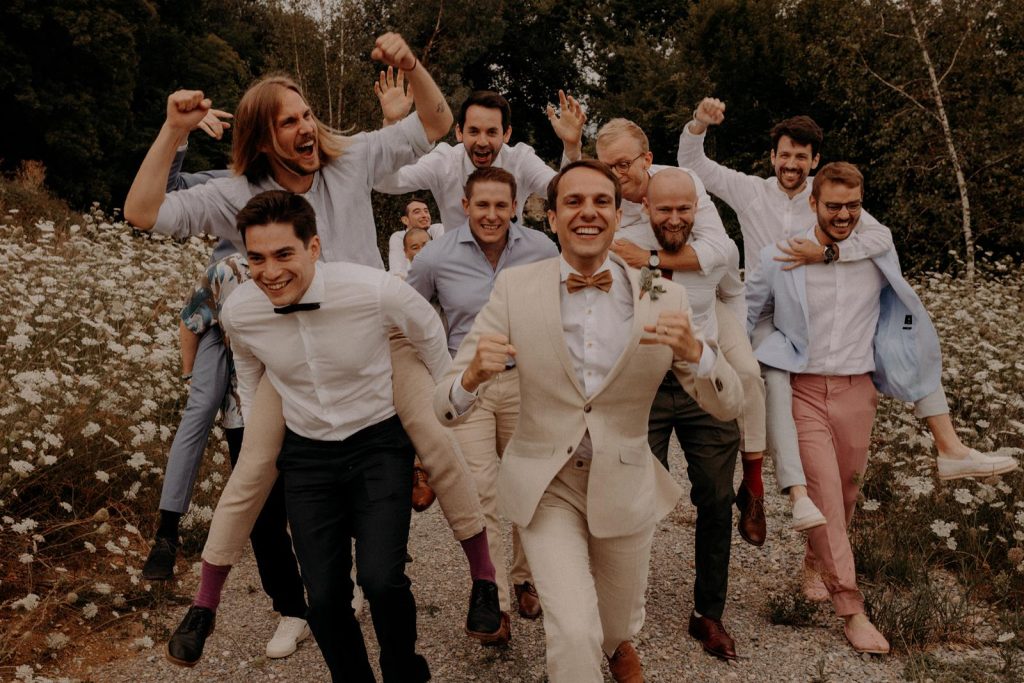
pixel 337 491
pixel 710 447
pixel 272 546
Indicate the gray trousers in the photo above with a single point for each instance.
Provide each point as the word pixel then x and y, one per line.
pixel 209 383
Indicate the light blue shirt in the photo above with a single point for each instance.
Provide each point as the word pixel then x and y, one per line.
pixel 908 362
pixel 455 270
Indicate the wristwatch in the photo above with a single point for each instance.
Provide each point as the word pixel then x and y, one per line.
pixel 829 254
pixel 654 260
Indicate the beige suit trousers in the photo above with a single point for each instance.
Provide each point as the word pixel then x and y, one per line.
pixel 735 345
pixel 483 437
pixel 254 475
pixel 592 589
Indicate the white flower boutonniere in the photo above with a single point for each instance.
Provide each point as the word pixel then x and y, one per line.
pixel 649 283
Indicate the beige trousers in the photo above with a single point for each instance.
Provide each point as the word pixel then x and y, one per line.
pixel 483 437
pixel 254 475
pixel 735 344
pixel 592 589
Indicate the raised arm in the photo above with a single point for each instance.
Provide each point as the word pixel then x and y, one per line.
pixel 737 189
pixel 568 126
pixel 185 110
pixel 431 106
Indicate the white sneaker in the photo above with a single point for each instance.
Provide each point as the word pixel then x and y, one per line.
pixel 290 632
pixel 974 465
pixel 806 515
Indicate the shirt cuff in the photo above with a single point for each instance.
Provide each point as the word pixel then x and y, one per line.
pixel 461 399
pixel 706 365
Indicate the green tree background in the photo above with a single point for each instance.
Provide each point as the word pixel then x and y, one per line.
pixel 83 85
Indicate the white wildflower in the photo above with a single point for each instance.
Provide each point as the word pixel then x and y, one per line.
pixel 1005 637
pixel 22 467
pixel 102 588
pixel 90 429
pixel 963 496
pixel 943 529
pixel 66 506
pixel 26 558
pixel 870 505
pixel 102 476
pixel 56 640
pixel 90 547
pixel 27 603
pixel 951 543
pixel 90 610
pixel 143 643
pixel 113 549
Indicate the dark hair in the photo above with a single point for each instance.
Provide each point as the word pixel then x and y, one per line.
pixel 594 164
pixel 840 173
pixel 802 130
pixel 278 206
pixel 490 100
pixel 415 200
pixel 410 232
pixel 490 174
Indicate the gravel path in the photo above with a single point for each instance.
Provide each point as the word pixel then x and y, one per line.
pixel 441 585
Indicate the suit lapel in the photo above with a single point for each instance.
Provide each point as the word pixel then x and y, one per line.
pixel 641 309
pixel 800 282
pixel 550 296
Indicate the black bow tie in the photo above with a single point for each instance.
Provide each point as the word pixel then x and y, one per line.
pixel 291 308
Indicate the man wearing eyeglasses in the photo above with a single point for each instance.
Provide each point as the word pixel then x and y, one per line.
pixel 777 210
pixel 840 329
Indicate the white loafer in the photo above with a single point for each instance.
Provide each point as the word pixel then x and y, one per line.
pixel 975 464
pixel 806 515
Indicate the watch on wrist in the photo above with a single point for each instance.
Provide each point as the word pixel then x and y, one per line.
pixel 653 261
pixel 829 254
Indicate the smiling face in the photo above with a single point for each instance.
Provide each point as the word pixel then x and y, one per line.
pixel 793 163
pixel 490 208
pixel 414 242
pixel 585 217
pixel 482 134
pixel 417 215
pixel 671 203
pixel 279 263
pixel 295 154
pixel 628 160
pixel 835 219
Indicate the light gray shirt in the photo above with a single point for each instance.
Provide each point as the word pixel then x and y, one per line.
pixel 455 270
pixel 340 195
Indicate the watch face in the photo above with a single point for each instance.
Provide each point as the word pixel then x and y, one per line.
pixel 654 261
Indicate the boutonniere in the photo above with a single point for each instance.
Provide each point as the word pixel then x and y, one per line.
pixel 649 283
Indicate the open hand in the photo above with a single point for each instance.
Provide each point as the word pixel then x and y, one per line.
pixel 214 123
pixel 633 255
pixel 395 100
pixel 568 122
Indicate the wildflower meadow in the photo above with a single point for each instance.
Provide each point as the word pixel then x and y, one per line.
pixel 92 396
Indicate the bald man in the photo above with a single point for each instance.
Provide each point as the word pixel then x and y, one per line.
pixel 709 445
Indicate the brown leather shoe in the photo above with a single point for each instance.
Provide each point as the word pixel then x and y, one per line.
pixel 529 601
pixel 422 495
pixel 625 664
pixel 501 637
pixel 713 636
pixel 752 525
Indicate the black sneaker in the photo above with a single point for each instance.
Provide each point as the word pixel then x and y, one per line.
pixel 484 619
pixel 185 647
pixel 160 563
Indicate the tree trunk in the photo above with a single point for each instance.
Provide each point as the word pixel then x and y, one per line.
pixel 954 156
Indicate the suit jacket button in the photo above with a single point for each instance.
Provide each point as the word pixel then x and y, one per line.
pixel 448 416
pixel 718 384
pixel 569 450
pixel 586 408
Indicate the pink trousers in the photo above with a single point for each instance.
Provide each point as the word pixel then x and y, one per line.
pixel 833 418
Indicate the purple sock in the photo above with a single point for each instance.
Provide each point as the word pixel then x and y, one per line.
pixel 479 556
pixel 211 583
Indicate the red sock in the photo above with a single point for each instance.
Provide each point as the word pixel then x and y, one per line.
pixel 752 477
pixel 479 556
pixel 211 583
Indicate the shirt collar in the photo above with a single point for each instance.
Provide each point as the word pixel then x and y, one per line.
pixel 315 293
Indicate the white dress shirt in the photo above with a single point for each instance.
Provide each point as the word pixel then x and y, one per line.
pixel 768 215
pixel 842 308
pixel 332 366
pixel 710 241
pixel 397 263
pixel 702 287
pixel 444 172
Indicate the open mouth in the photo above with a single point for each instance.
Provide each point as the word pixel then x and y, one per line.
pixel 306 149
pixel 482 157
pixel 586 231
pixel 791 176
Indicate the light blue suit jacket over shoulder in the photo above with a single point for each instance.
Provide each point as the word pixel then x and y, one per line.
pixel 908 361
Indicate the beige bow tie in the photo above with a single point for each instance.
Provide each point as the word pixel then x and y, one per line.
pixel 602 281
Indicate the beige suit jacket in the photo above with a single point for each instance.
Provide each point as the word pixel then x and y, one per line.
pixel 627 488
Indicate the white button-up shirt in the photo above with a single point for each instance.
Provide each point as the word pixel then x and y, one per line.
pixel 397 263
pixel 702 287
pixel 768 215
pixel 332 366
pixel 445 170
pixel 842 308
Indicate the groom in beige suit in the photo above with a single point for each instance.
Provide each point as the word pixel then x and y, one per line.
pixel 592 343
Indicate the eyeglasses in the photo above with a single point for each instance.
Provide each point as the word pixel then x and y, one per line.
pixel 622 167
pixel 835 207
